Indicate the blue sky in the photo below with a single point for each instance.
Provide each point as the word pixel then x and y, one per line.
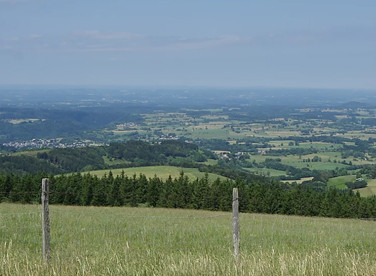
pixel 321 44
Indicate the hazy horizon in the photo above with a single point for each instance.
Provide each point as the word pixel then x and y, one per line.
pixel 204 44
pixel 182 87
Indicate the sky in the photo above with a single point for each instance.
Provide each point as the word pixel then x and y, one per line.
pixel 214 43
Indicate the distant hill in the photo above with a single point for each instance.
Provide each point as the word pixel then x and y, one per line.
pixel 116 155
pixel 355 105
pixel 172 154
pixel 25 164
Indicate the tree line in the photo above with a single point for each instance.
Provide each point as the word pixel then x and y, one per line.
pixel 118 155
pixel 138 190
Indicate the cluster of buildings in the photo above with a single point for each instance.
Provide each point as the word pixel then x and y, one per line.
pixel 168 137
pixel 225 154
pixel 50 143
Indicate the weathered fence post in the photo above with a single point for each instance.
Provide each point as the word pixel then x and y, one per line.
pixel 235 222
pixel 45 220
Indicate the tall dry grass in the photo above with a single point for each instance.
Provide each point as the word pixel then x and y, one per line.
pixel 141 241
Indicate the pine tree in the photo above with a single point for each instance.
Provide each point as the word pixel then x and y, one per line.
pixel 154 190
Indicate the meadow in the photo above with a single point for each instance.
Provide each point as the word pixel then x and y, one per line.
pixel 163 172
pixel 339 182
pixel 370 189
pixel 147 241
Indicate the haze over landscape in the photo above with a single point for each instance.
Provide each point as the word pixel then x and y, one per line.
pixel 149 121
pixel 321 44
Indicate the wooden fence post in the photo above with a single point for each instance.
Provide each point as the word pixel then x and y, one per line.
pixel 235 222
pixel 45 220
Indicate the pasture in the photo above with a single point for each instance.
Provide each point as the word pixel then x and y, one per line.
pixel 162 172
pixel 339 182
pixel 141 241
pixel 370 189
pixel 266 171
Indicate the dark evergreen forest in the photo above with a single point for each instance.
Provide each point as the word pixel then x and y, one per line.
pixel 262 195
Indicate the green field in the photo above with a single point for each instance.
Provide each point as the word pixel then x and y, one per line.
pixel 319 146
pixel 266 171
pixel 32 153
pixel 339 182
pixel 211 162
pixel 162 172
pixel 141 241
pixel 298 162
pixel 370 189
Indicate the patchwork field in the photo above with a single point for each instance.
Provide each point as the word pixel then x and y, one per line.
pixel 305 139
pixel 140 241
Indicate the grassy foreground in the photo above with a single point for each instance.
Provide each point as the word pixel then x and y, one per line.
pixel 140 241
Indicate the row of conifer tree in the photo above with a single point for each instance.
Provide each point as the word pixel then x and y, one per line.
pixel 263 197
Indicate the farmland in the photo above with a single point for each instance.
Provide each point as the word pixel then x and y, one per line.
pixel 134 241
pixel 273 133
pixel 162 172
pixel 304 142
pixel 370 189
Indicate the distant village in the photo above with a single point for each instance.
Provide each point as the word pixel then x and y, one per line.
pixel 226 155
pixel 50 143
